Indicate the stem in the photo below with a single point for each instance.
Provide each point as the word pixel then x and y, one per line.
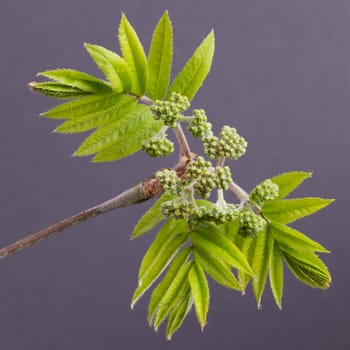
pixel 146 100
pixel 221 200
pixel 242 195
pixel 141 192
pixel 221 162
pixel 181 138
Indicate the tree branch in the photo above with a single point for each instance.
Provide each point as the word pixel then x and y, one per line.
pixel 141 192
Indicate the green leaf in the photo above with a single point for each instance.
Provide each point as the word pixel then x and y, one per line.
pixel 160 58
pixel 178 315
pixel 191 77
pixel 163 238
pixel 164 285
pixel 113 67
pixel 276 274
pixel 294 239
pixel 110 110
pixel 76 79
pixel 288 182
pixel 286 211
pixel 200 292
pixel 122 137
pixel 151 217
pixel 231 229
pixel 216 268
pixel 176 291
pixel 160 263
pixel 88 105
pixel 221 247
pixel 307 268
pixel 56 90
pixel 245 245
pixel 260 260
pixel 134 56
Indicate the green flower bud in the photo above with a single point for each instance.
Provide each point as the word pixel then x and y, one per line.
pixel 169 180
pixel 158 147
pixel 250 223
pixel 196 167
pixel 223 215
pixel 177 209
pixel 266 191
pixel 181 102
pixel 205 184
pixel 199 127
pixel 170 111
pixel 231 145
pixel 210 145
pixel 223 177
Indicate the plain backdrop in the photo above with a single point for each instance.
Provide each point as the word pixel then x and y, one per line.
pixel 281 76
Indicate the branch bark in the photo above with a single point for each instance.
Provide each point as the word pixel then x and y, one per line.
pixel 141 192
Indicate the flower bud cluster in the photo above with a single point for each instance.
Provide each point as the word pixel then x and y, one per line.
pixel 169 180
pixel 199 125
pixel 250 223
pixel 221 215
pixel 178 209
pixel 205 184
pixel 158 147
pixel 196 167
pixel 230 145
pixel 266 191
pixel 223 177
pixel 170 111
pixel 210 145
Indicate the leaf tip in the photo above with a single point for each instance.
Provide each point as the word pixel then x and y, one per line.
pixel 31 85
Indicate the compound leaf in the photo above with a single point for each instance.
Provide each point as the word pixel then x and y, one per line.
pixel 77 79
pixel 178 315
pixel 134 56
pixel 260 259
pixel 151 217
pixel 286 211
pixel 216 268
pixel 163 238
pixel 160 58
pixel 221 247
pixel 57 90
pixel 113 67
pixel 110 110
pixel 175 293
pixel 159 264
pixel 124 136
pixel 288 182
pixel 276 274
pixel 192 76
pixel 245 245
pixel 200 292
pixel 307 268
pixel 164 285
pixel 294 239
pixel 88 105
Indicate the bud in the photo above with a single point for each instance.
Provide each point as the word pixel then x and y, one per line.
pixel 266 191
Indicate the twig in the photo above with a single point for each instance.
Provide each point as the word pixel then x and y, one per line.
pixel 242 195
pixel 184 146
pixel 141 192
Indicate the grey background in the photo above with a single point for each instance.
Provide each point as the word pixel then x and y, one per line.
pixel 281 76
